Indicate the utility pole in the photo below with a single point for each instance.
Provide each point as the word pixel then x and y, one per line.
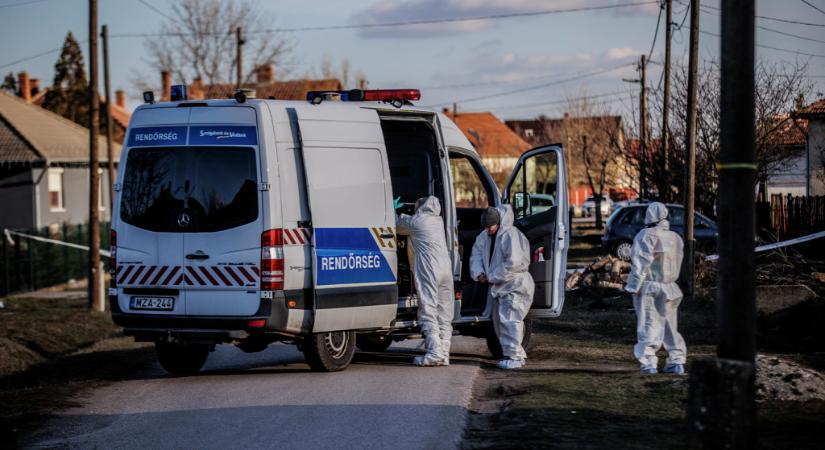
pixel 690 147
pixel 104 35
pixel 239 40
pixel 643 128
pixel 95 280
pixel 664 189
pixel 721 411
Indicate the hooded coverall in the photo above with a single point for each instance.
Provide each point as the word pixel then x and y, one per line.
pixel 656 259
pixel 511 286
pixel 433 276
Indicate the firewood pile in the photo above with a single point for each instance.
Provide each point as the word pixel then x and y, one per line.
pixel 606 272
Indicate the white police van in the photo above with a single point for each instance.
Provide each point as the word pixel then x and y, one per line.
pixel 254 221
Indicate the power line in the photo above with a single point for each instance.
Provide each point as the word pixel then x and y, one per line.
pixel 797 52
pixel 520 80
pixel 150 6
pixel 29 58
pixel 656 33
pixel 22 3
pixel 813 6
pixel 559 101
pixel 408 23
pixel 777 19
pixel 530 88
pixel 772 30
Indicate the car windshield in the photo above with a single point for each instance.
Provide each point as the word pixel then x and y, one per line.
pixel 216 187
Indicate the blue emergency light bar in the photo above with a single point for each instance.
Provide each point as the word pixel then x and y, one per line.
pixel 178 93
pixel 372 95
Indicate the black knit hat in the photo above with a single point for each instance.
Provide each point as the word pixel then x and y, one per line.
pixel 490 217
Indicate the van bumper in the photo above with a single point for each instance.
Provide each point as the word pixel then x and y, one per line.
pixel 153 326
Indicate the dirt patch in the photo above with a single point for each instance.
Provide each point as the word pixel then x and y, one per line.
pixel 52 350
pixel 581 387
pixel 778 379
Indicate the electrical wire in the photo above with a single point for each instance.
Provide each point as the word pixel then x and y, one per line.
pixel 776 19
pixel 813 6
pixel 10 5
pixel 161 13
pixel 408 23
pixel 530 88
pixel 796 52
pixel 520 80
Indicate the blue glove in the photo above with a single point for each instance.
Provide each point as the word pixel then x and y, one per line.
pixel 397 203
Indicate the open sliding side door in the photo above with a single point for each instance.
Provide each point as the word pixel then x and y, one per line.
pixel 352 220
pixel 537 191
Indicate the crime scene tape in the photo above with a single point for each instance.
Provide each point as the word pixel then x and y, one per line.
pixel 787 243
pixel 9 233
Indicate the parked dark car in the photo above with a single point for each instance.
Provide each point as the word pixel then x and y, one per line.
pixel 626 221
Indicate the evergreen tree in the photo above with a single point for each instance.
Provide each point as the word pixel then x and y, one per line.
pixel 9 84
pixel 69 94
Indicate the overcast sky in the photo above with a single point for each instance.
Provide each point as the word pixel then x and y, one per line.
pixel 475 63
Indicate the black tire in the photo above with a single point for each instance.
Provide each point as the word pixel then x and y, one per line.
pixel 373 342
pixel 181 359
pixel 329 352
pixel 495 346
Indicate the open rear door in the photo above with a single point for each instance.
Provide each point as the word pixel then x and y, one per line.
pixel 537 191
pixel 353 221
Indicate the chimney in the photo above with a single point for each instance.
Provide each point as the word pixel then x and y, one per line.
pixel 266 74
pixel 166 85
pixel 24 85
pixel 196 89
pixel 35 86
pixel 363 84
pixel 120 98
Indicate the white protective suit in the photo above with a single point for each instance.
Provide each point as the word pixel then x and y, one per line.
pixel 656 259
pixel 511 286
pixel 433 276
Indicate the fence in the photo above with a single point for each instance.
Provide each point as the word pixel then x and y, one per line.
pixel 796 216
pixel 28 265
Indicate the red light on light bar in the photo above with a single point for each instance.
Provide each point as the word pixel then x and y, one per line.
pixel 386 95
pixel 257 323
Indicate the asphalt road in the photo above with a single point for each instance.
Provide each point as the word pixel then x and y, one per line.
pixel 271 400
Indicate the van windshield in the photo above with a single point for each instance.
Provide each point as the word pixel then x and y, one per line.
pixel 189 189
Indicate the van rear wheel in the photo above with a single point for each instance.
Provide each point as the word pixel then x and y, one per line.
pixel 494 345
pixel 329 352
pixel 180 359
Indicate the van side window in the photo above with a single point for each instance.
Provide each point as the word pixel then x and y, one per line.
pixel 533 190
pixel 468 188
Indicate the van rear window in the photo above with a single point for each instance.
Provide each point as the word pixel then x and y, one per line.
pixel 189 189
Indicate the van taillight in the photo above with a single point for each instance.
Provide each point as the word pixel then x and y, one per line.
pixel 113 259
pixel 272 260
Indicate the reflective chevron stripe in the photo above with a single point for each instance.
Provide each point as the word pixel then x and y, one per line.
pixel 232 276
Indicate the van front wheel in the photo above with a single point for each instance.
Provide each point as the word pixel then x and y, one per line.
pixel 329 352
pixel 494 345
pixel 181 359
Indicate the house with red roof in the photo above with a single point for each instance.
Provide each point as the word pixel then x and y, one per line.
pixel 497 145
pixel 814 135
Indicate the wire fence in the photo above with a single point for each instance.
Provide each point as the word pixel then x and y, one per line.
pixel 27 265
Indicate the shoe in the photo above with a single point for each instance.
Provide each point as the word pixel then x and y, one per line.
pixel 508 364
pixel 423 361
pixel 676 369
pixel 649 370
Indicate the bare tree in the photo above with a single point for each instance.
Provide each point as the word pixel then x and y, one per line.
pixel 591 131
pixel 198 41
pixel 779 88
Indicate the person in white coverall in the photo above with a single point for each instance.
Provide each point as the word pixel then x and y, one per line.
pixel 433 272
pixel 656 259
pixel 501 257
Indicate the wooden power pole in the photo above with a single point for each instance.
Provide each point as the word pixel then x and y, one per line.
pixel 239 42
pixel 664 189
pixel 104 35
pixel 94 287
pixel 643 128
pixel 721 410
pixel 690 150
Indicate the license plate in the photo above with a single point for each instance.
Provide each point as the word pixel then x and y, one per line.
pixel 156 303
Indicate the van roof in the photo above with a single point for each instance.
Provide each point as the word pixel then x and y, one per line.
pixel 453 136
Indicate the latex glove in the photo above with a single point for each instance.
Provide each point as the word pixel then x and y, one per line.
pixel 397 203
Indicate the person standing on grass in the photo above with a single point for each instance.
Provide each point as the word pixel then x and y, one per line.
pixel 501 257
pixel 656 259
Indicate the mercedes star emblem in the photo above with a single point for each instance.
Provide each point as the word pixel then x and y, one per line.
pixel 183 220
